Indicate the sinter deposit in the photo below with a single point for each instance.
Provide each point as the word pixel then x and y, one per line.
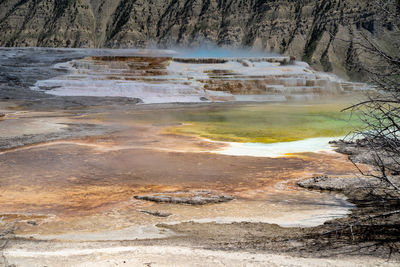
pixel 156 76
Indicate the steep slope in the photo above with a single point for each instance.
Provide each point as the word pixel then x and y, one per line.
pixel 319 32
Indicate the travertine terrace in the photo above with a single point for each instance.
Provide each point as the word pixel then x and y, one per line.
pixel 168 77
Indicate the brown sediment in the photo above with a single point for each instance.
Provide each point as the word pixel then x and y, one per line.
pixel 92 180
pixel 21 217
pixel 128 67
pixel 235 85
pixel 220 72
pixel 75 179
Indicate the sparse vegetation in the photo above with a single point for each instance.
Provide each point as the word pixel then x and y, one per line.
pixel 380 113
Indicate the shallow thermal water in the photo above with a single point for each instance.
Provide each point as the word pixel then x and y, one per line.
pixel 82 189
pixel 261 130
pixel 277 149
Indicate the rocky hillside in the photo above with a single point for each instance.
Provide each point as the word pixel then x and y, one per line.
pixel 318 31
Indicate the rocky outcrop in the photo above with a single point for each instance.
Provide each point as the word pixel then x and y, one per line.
pixel 191 198
pixel 362 191
pixel 156 213
pixel 320 32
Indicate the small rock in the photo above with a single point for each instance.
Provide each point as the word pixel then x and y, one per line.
pixel 32 223
pixel 156 213
pixel 194 198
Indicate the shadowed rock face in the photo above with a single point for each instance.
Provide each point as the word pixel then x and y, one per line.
pixel 312 30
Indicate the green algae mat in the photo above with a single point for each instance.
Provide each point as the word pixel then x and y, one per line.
pixel 262 123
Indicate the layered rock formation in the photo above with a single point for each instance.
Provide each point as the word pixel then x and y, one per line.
pixel 320 32
pixel 159 76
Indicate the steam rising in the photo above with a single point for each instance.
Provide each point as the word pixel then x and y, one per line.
pixel 211 51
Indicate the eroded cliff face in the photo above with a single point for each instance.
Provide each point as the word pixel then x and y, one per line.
pixel 320 32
